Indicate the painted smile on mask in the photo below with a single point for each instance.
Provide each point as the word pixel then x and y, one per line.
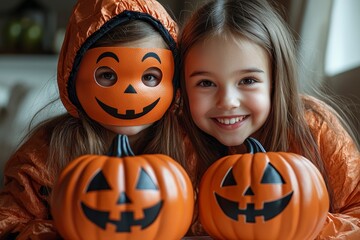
pixel 130 114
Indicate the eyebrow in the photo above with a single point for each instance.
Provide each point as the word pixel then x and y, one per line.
pixel 151 54
pixel 248 70
pixel 107 54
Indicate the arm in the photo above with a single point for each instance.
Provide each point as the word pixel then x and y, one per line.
pixel 24 211
pixel 343 168
pixel 342 162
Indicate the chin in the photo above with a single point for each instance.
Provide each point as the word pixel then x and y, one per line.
pixel 129 131
pixel 232 143
pixel 231 140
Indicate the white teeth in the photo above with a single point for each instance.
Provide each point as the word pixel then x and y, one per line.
pixel 229 121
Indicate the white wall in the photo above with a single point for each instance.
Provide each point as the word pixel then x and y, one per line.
pixel 313 38
pixel 37 74
pixel 343 49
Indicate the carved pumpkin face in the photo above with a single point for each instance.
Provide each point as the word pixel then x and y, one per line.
pixel 270 195
pixel 263 195
pixel 141 197
pixel 125 220
pixel 125 86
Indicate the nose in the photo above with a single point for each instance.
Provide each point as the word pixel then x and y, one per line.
pixel 228 98
pixel 123 198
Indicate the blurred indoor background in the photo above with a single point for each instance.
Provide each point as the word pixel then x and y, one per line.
pixel 31 33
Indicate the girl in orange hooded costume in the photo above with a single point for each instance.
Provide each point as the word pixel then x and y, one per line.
pixel 113 43
pixel 239 81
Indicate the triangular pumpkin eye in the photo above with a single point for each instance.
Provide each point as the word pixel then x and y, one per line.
pixel 145 181
pixel 271 175
pixel 229 179
pixel 98 183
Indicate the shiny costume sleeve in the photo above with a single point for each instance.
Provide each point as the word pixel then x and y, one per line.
pixel 24 199
pixel 342 161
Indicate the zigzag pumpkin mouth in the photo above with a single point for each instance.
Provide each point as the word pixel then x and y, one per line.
pixel 130 114
pixel 269 211
pixel 101 218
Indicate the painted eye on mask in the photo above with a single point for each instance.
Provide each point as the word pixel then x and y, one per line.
pixel 105 76
pixel 152 77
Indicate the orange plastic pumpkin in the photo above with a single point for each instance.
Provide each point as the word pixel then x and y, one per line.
pixel 134 197
pixel 258 195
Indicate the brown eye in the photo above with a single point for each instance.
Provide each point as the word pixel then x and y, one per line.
pixel 206 83
pixel 105 76
pixel 248 81
pixel 152 77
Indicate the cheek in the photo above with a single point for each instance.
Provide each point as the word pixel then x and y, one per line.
pixel 197 104
pixel 259 104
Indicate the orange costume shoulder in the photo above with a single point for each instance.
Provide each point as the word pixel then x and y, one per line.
pixel 24 199
pixel 342 162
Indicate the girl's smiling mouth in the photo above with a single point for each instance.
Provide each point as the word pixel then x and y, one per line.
pixel 230 120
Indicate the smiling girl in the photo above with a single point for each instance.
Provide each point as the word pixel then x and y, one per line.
pixel 239 80
pixel 230 99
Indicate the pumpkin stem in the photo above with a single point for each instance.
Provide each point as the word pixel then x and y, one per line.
pixel 120 147
pixel 253 145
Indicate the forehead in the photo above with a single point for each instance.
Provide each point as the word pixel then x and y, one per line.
pixel 220 51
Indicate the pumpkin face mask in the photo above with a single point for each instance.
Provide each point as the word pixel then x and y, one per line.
pixel 125 86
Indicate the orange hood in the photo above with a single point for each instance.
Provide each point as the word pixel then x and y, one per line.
pixel 89 21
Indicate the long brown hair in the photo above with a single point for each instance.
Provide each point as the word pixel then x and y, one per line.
pixel 259 22
pixel 72 137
